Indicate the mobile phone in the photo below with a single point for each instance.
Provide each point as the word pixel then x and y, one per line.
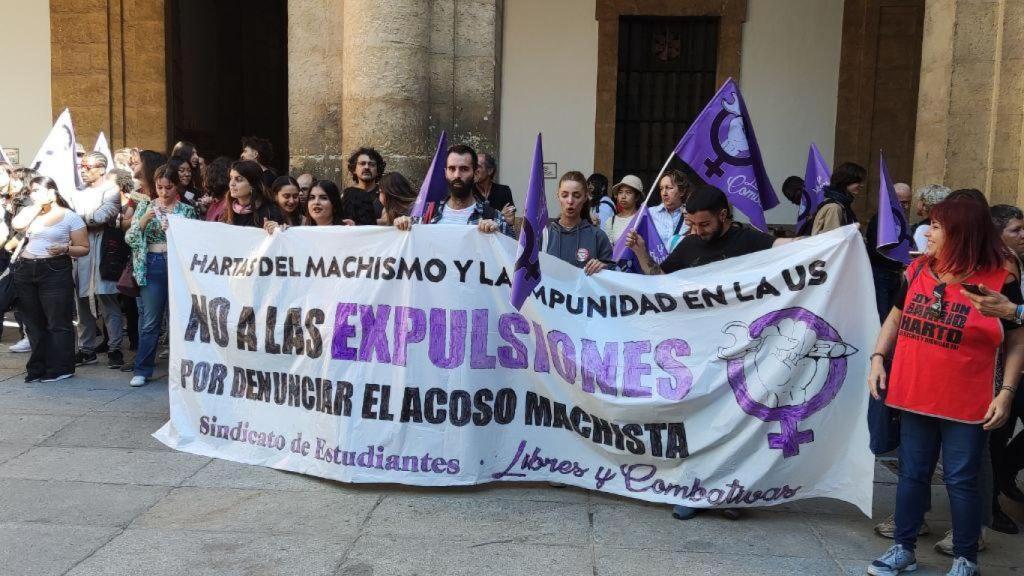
pixel 972 288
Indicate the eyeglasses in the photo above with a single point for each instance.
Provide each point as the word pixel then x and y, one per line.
pixel 934 311
pixel 305 188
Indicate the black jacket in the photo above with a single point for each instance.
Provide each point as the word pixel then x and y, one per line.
pixel 499 197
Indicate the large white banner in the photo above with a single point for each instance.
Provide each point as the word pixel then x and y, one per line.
pixel 373 355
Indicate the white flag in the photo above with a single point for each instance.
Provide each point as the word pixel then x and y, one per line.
pixel 56 157
pixel 104 148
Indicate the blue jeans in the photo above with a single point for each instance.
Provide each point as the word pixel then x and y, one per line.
pixel 153 297
pixel 962 448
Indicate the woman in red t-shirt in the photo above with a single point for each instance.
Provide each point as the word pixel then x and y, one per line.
pixel 943 366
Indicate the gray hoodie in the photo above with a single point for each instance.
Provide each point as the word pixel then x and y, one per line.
pixel 577 245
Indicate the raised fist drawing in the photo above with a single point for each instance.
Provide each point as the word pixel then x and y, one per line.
pixel 790 364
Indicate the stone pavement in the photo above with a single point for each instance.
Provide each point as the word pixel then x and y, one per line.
pixel 85 490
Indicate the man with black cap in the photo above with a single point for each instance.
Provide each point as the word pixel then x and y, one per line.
pixel 713 236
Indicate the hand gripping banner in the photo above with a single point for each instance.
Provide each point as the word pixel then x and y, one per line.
pixel 374 355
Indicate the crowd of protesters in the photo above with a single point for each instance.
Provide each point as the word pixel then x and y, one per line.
pixel 99 253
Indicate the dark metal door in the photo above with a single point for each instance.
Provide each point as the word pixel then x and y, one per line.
pixel 667 69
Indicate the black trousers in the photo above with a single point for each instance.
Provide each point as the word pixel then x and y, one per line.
pixel 46 298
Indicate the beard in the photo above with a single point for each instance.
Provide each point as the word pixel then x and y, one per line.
pixel 460 188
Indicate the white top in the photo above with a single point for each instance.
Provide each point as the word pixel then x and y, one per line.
pixel 616 225
pixel 666 222
pixel 41 237
pixel 452 216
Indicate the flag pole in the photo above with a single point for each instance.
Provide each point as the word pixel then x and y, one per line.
pixel 632 225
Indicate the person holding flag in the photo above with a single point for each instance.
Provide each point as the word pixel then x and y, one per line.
pixel 713 236
pixel 446 196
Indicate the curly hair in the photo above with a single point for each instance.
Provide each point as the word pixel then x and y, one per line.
pixel 263 148
pixel 373 154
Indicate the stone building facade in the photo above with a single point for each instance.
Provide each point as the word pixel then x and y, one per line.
pixel 938 83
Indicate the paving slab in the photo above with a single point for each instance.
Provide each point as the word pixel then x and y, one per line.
pixel 9 450
pixel 53 398
pixel 274 512
pixel 633 562
pixel 757 533
pixel 479 519
pixel 47 550
pixel 110 430
pixel 227 474
pixel 31 428
pixel 391 557
pixel 150 400
pixel 238 553
pixel 105 465
pixel 74 503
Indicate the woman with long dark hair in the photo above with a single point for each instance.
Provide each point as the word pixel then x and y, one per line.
pixel 187 151
pixel 284 212
pixel 147 237
pixel 323 207
pixel 396 196
pixel 943 365
pixel 217 176
pixel 247 195
pixel 602 208
pixel 54 235
pixel 144 173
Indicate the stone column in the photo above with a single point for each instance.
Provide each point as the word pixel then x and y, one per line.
pixel 315 29
pixel 971 98
pixel 385 95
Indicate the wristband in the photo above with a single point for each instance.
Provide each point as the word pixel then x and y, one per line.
pixel 879 354
pixel 1011 389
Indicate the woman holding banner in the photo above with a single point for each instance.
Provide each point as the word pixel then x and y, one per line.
pixel 147 238
pixel 396 196
pixel 942 372
pixel 571 237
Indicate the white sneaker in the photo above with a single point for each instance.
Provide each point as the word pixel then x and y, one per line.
pixel 20 346
pixel 137 381
pixel 945 546
pixel 56 378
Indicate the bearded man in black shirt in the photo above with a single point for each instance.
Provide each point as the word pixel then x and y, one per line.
pixel 713 236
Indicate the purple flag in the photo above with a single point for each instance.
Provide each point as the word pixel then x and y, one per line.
pixel 816 178
pixel 721 148
pixel 526 274
pixel 894 237
pixel 644 226
pixel 435 186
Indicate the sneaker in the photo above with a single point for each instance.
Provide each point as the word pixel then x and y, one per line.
pixel 128 367
pixel 56 378
pixel 137 381
pixel 164 354
pixel 897 559
pixel 30 379
pixel 21 346
pixel 683 512
pixel 963 567
pixel 115 360
pixel 945 546
pixel 887 528
pixel 85 358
